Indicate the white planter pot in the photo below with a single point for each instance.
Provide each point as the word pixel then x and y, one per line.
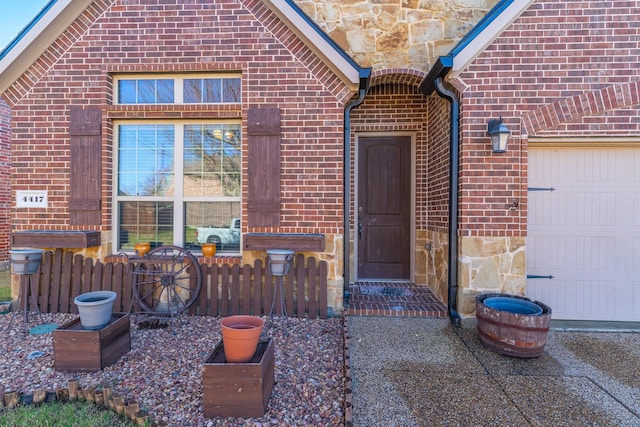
pixel 280 261
pixel 95 308
pixel 25 261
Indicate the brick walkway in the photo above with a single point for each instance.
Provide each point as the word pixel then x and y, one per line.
pixel 393 299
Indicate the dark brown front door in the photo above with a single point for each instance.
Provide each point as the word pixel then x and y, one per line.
pixel 384 207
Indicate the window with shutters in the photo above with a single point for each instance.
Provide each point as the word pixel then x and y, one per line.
pixel 178 183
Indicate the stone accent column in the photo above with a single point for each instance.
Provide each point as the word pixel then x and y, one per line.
pixel 490 264
pixel 435 250
pixel 333 255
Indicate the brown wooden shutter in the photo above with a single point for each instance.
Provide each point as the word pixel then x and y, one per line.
pixel 263 202
pixel 86 166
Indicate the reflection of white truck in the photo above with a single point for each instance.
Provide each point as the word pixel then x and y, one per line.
pixel 223 237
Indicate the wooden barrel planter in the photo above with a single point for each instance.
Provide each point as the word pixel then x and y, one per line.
pixel 512 325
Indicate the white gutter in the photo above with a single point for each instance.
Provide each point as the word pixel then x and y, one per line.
pixel 332 56
pixel 38 39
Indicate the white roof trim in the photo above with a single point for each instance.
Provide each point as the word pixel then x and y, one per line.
pixel 318 43
pixel 63 13
pixel 492 31
pixel 38 39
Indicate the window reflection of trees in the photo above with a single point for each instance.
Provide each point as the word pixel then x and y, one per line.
pixel 215 90
pixel 212 160
pixel 194 90
pixel 211 163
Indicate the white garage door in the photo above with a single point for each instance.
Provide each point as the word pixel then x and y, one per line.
pixel 585 233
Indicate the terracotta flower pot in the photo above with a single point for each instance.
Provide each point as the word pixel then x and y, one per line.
pixel 142 248
pixel 240 336
pixel 208 249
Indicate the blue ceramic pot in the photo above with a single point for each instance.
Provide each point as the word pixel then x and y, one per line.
pixel 513 305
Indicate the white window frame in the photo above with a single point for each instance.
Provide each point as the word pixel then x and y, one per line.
pixel 178 197
pixel 178 85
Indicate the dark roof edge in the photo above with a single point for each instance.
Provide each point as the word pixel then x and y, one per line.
pixel 503 14
pixel 320 43
pixel 322 34
pixel 440 69
pixel 481 26
pixel 26 29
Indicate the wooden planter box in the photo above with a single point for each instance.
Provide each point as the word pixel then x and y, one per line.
pixel 56 239
pixel 238 389
pixel 79 350
pixel 297 242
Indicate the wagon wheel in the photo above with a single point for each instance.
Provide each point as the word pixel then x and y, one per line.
pixel 171 281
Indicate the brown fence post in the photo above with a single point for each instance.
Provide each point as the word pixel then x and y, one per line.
pixel 213 302
pixel 301 274
pixel 200 305
pixel 118 286
pixel 258 287
pixel 234 286
pixel 246 289
pixel 45 282
pixel 54 292
pixel 87 275
pixel 267 289
pixel 323 275
pixel 76 282
pixel 311 277
pixel 65 283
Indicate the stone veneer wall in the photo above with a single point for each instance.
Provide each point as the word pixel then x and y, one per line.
pixel 385 34
pixel 490 264
pixel 432 250
pixel 485 264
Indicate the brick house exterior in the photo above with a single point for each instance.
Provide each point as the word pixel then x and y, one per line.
pixel 5 179
pixel 559 73
pixel 564 77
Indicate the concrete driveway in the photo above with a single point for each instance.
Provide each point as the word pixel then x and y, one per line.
pixel 423 372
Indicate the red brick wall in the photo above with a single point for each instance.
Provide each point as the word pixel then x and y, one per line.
pixel 5 178
pixel 400 107
pixel 142 36
pixel 397 107
pixel 438 164
pixel 562 69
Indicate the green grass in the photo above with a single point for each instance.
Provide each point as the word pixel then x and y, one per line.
pixel 62 414
pixel 5 285
pixel 59 414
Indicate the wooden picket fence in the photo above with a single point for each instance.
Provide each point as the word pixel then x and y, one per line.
pixel 226 289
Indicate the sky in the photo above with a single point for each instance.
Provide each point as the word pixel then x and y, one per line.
pixel 15 15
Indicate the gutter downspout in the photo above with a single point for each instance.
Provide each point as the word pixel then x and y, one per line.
pixel 452 303
pixel 365 74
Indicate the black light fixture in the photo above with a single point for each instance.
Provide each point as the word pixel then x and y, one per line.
pixel 499 134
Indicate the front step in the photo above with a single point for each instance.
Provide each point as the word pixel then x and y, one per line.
pixel 399 299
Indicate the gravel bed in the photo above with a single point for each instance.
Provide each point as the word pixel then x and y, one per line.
pixel 163 369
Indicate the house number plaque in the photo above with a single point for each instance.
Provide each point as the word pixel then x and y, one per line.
pixel 31 199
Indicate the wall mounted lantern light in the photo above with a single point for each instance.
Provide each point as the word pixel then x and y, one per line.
pixel 499 134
